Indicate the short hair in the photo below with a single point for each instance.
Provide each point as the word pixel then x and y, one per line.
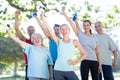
pixel 30 27
pixel 98 22
pixel 36 34
pixel 56 25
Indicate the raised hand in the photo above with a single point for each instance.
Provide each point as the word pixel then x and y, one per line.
pixel 63 9
pixel 17 13
pixel 42 14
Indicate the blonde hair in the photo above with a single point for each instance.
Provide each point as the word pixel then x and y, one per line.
pixel 36 34
pixel 64 25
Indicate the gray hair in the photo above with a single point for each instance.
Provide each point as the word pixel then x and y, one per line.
pixel 36 34
pixel 98 22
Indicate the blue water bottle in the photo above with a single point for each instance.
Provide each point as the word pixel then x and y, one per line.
pixel 74 17
pixel 31 16
pixel 35 14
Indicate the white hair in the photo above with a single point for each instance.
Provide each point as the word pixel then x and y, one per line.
pixel 36 34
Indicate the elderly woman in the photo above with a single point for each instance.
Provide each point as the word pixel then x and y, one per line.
pixel 39 59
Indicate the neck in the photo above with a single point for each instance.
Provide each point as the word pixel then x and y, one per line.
pixel 100 33
pixel 66 40
pixel 88 34
pixel 58 35
pixel 38 45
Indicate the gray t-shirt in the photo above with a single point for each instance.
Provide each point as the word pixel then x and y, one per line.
pixel 106 48
pixel 89 44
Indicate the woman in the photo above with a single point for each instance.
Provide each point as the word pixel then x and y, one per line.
pixel 30 31
pixel 89 43
pixel 52 43
pixel 39 60
pixel 63 69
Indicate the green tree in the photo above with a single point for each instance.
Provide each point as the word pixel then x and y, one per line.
pixel 10 53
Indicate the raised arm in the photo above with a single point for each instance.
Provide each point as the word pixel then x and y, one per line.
pixel 20 35
pixel 21 43
pixel 77 25
pixel 43 27
pixel 70 21
pixel 49 28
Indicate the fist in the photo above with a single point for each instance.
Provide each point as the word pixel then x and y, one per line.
pixel 17 13
pixel 63 9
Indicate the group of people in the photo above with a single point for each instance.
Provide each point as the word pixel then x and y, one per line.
pixel 57 62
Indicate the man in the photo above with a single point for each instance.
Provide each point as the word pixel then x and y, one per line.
pixel 30 31
pixel 52 43
pixel 106 48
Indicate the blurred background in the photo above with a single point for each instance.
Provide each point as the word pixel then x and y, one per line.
pixel 11 57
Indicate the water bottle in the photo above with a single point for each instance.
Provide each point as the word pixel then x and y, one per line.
pixel 7 26
pixel 74 17
pixel 35 14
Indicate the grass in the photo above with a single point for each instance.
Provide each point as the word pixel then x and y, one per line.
pixel 12 78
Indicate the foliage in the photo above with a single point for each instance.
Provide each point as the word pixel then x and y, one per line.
pixel 13 78
pixel 10 51
pixel 4 66
pixel 53 6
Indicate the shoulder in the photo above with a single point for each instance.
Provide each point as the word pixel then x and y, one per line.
pixel 28 41
pixel 106 36
pixel 75 41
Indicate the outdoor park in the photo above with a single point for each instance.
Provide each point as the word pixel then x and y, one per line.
pixel 12 65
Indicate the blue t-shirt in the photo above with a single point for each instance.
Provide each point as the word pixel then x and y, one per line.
pixel 38 61
pixel 89 44
pixel 53 49
pixel 66 51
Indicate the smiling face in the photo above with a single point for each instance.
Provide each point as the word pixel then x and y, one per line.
pixel 87 26
pixel 99 27
pixel 57 30
pixel 65 30
pixel 36 39
pixel 30 30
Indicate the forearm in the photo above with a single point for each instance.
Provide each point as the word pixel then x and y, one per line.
pixel 22 44
pixel 16 22
pixel 81 58
pixel 50 30
pixel 98 58
pixel 43 27
pixel 50 71
pixel 115 56
pixel 71 23
pixel 77 25
pixel 19 34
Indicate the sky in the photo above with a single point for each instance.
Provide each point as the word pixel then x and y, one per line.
pixel 105 7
